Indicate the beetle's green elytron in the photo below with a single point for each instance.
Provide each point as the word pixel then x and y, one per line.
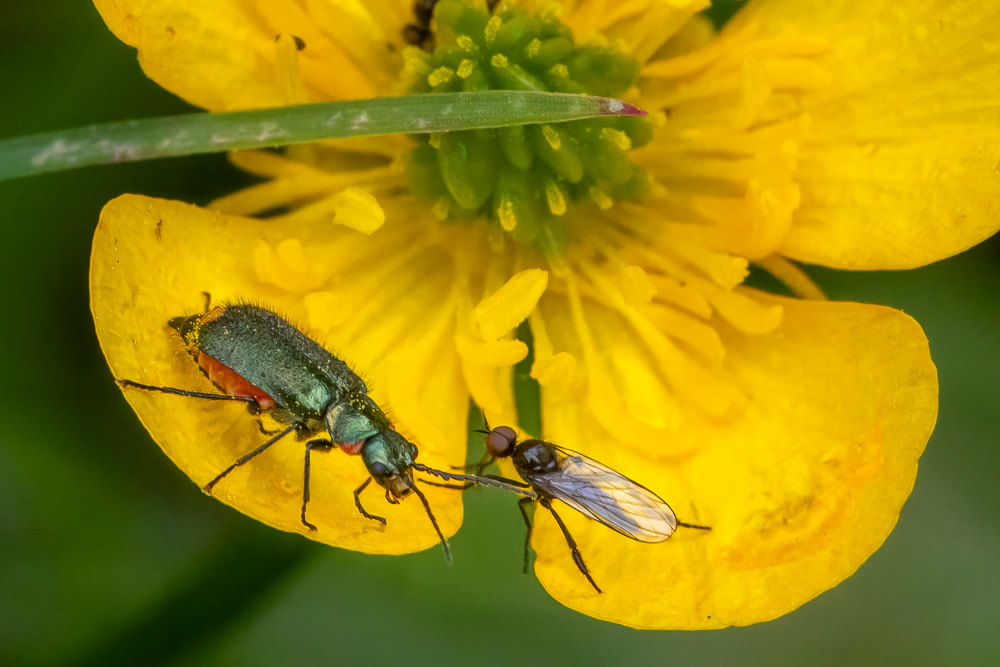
pixel 255 356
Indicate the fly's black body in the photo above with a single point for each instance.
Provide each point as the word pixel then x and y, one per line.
pixel 420 33
pixel 592 488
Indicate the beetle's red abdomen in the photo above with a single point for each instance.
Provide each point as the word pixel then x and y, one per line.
pixel 232 382
pixel 352 448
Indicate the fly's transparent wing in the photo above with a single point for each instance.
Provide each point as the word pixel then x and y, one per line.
pixel 607 496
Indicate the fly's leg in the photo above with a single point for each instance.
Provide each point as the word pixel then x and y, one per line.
pixel 522 505
pixel 577 558
pixel 479 466
pixel 246 457
pixel 323 446
pixel 185 392
pixel 357 503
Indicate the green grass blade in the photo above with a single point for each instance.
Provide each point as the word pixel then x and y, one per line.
pixel 172 136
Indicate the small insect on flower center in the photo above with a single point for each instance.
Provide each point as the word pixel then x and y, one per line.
pixel 524 181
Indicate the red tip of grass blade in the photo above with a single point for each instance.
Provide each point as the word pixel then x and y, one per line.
pixel 615 107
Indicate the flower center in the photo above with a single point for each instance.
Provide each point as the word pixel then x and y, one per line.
pixel 523 179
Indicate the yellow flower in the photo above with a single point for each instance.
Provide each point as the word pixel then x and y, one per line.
pixel 854 135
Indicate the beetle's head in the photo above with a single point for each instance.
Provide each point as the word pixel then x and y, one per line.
pixel 389 458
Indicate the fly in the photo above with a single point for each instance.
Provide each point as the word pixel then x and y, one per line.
pixel 593 489
pixel 420 33
pixel 256 357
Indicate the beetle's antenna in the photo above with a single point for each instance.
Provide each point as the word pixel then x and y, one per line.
pixel 482 480
pixel 430 514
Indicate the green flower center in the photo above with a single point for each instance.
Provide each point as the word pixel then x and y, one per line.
pixel 524 179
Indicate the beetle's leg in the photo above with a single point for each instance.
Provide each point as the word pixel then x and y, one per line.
pixel 185 392
pixel 460 487
pixel 322 445
pixel 260 425
pixel 507 481
pixel 577 558
pixel 478 480
pixel 430 515
pixel 246 457
pixel 357 503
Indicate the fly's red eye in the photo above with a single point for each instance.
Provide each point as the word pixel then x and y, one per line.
pixel 500 441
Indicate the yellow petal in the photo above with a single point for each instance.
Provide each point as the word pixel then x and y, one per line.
pixel 799 488
pixel 222 55
pixel 901 165
pixel 153 260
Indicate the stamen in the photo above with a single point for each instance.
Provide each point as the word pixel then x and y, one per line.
pixel 358 209
pixel 293 182
pixel 557 372
pixel 554 371
pixel 466 68
pixel 500 353
pixel 492 29
pixel 441 208
pixel 794 278
pixel 637 288
pixel 615 396
pixel 712 395
pixel 601 198
pixel 503 310
pixel 287 69
pixel 466 43
pixel 440 76
pixel 524 180
pixel 552 137
pixel 555 197
pixel 285 266
pixel 507 214
pixel 617 138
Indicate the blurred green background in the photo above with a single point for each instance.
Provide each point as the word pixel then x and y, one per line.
pixel 110 555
